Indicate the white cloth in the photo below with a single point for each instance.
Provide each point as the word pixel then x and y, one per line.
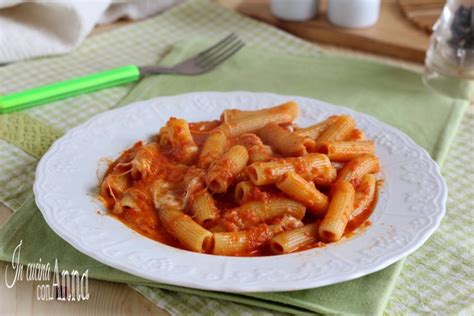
pixel 38 28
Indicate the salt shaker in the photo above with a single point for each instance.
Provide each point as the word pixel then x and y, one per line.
pixel 353 13
pixel 291 10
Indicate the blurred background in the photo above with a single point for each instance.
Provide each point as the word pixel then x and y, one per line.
pixel 435 33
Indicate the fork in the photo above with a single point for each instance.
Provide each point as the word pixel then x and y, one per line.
pixel 200 63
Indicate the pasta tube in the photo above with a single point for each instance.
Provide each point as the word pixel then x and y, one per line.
pixel 285 112
pixel 346 150
pixel 248 140
pixel 314 131
pixel 202 130
pixel 190 234
pixel 213 148
pixel 255 212
pixel 365 193
pixel 203 207
pixel 355 135
pixel 260 153
pixel 184 150
pixel 339 210
pixel 164 138
pixel 114 185
pixel 223 171
pixel 338 130
pixel 243 191
pixel 292 240
pixel 285 142
pixel 304 192
pixel 357 167
pixel 245 241
pixel 164 197
pixel 240 122
pixel 132 199
pixel 136 207
pixel 256 149
pixel 310 167
pixel 326 177
pixel 143 160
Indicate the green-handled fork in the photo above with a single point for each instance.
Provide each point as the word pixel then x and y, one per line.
pixel 198 64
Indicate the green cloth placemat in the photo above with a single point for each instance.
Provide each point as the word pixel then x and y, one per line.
pixel 393 95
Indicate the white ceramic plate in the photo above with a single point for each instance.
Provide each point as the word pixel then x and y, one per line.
pixel 410 207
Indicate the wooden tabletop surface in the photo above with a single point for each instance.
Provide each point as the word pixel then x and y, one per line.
pixel 107 297
pixel 392 35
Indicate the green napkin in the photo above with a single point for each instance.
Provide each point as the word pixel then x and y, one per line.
pixel 391 94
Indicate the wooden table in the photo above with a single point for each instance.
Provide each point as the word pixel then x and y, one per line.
pixel 107 297
pixel 393 35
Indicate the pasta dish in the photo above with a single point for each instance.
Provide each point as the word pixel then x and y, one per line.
pixel 252 183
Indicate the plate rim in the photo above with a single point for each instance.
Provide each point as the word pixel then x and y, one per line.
pixel 420 240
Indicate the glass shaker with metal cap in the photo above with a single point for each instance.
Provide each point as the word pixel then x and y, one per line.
pixel 450 58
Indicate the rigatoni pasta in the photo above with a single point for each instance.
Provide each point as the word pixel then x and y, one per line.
pixel 365 193
pixel 203 207
pixel 314 131
pixel 225 169
pixel 346 150
pixel 257 150
pixel 114 185
pixel 296 187
pixel 141 165
pixel 250 121
pixel 337 130
pixel 355 135
pixel 357 167
pixel 183 147
pixel 286 143
pixel 260 153
pixel 250 184
pixel 281 114
pixel 213 148
pixel 309 167
pixel 245 241
pixel 192 235
pixel 244 191
pixel 340 208
pixel 256 212
pixel 289 241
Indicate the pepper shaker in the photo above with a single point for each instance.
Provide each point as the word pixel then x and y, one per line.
pixel 449 63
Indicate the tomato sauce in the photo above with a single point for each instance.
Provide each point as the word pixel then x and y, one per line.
pixel 162 165
pixel 363 218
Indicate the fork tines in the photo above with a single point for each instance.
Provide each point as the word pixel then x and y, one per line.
pixel 220 52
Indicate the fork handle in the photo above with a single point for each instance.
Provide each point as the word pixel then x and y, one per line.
pixel 61 90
